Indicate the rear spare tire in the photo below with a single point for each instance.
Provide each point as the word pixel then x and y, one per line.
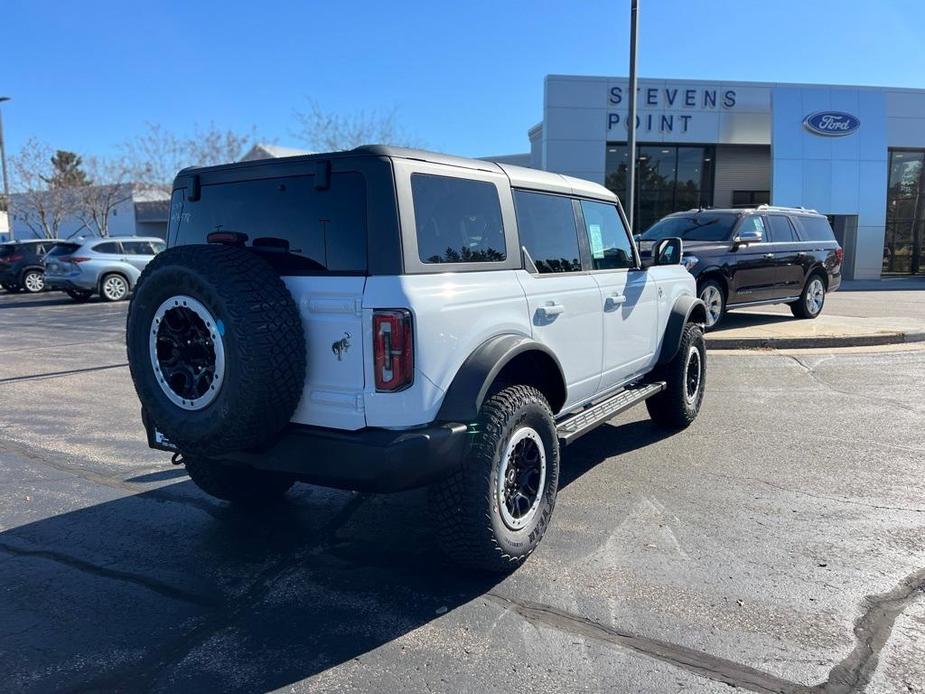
pixel 215 347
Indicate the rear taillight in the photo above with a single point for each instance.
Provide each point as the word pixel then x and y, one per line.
pixel 840 254
pixel 10 259
pixel 75 259
pixel 393 349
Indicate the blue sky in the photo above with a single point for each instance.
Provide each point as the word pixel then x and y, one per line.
pixel 464 77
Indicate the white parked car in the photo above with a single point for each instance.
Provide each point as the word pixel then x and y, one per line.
pixel 382 319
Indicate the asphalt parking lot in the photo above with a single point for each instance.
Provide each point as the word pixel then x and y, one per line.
pixel 778 544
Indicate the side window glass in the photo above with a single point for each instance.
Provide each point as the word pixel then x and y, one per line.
pixel 108 247
pixel 779 229
pixel 157 247
pixel 547 230
pixel 610 244
pixel 458 220
pixel 753 223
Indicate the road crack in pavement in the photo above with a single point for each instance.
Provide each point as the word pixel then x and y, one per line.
pixel 871 632
pixel 57 374
pixel 709 666
pixel 811 372
pixel 151 584
pixel 821 497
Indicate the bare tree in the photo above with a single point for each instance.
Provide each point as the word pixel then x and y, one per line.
pixel 154 157
pixel 95 204
pixel 327 131
pixel 42 208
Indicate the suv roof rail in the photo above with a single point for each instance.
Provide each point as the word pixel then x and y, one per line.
pixel 785 208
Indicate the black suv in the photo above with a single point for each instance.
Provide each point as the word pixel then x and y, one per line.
pixel 21 265
pixel 748 257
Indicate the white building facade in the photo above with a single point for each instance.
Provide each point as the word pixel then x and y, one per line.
pixel 853 153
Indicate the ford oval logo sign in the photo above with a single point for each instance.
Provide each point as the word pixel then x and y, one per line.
pixel 832 123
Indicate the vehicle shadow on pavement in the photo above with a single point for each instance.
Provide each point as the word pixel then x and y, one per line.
pixel 168 589
pixel 32 301
pixel 735 320
pixel 607 441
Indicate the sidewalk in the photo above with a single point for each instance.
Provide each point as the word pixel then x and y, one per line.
pixel 763 329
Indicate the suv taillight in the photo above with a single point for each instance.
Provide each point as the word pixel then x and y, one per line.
pixel 75 259
pixel 393 349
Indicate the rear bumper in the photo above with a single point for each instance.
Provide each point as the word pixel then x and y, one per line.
pixel 62 283
pixel 369 460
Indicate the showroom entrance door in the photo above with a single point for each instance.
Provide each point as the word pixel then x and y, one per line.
pixel 904 240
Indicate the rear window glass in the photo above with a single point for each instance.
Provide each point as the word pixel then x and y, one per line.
pixel 60 249
pixel 703 226
pixel 547 230
pixel 322 230
pixel 458 220
pixel 815 229
pixel 779 229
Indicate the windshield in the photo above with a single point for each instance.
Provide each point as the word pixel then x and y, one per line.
pixel 63 249
pixel 698 226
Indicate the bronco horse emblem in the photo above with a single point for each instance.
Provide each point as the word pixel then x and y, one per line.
pixel 341 346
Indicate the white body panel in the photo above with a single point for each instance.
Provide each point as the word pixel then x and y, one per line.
pixel 453 314
pixel 599 345
pixel 631 312
pixel 565 313
pixel 331 309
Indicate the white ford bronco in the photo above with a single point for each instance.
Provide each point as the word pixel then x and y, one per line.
pixel 383 319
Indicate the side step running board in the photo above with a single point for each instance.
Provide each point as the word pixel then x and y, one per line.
pixel 581 423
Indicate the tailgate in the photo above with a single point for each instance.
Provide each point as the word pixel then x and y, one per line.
pixel 331 312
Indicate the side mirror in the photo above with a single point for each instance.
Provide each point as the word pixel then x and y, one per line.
pixel 750 236
pixel 667 251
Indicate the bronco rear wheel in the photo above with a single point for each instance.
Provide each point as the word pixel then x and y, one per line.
pixel 216 348
pixel 493 512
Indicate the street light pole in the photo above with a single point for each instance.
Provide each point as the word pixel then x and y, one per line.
pixel 629 202
pixel 6 177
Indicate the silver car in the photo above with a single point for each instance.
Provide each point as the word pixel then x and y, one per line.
pixel 109 267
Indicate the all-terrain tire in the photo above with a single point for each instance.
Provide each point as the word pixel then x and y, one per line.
pixel 804 307
pixel 677 406
pixel 240 485
pixel 465 508
pixel 261 332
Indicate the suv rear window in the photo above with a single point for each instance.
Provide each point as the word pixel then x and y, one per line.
pixel 324 230
pixel 815 229
pixel 458 220
pixel 60 249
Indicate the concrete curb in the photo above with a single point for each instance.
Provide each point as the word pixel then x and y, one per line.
pixel 814 341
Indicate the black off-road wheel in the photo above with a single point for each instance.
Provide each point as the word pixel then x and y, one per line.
pixel 492 513
pixel 812 299
pixel 216 348
pixel 240 485
pixel 677 406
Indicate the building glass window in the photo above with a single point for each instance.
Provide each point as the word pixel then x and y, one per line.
pixel 669 178
pixel 904 242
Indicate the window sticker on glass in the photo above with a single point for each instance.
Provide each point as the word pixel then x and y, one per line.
pixel 597 240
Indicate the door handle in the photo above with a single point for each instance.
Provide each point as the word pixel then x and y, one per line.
pixel 614 300
pixel 551 309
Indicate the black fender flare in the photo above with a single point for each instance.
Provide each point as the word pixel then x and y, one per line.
pixel 686 309
pixel 467 392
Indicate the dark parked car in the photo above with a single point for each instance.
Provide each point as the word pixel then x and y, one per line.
pixel 749 257
pixel 21 264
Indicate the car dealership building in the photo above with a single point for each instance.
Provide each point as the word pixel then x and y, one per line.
pixel 853 153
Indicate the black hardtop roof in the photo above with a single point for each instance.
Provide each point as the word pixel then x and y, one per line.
pixel 519 176
pixel 361 151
